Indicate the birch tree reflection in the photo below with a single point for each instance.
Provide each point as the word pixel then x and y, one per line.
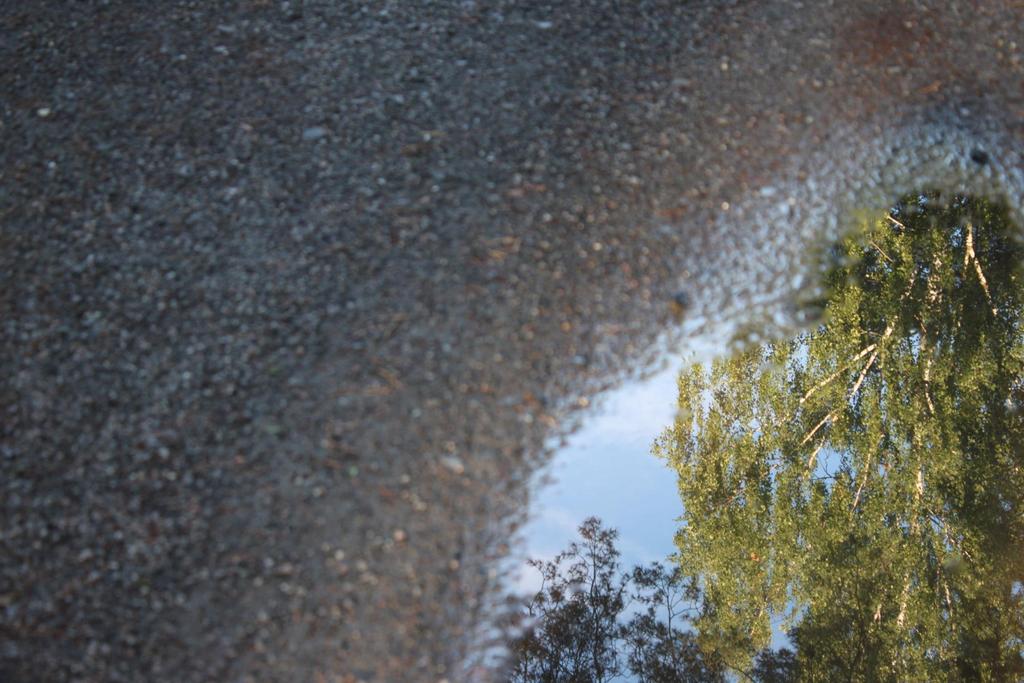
pixel 865 479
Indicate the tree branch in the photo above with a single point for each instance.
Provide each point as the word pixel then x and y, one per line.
pixel 856 386
pixel 864 479
pixel 927 368
pixel 818 426
pixel 810 460
pixel 865 351
pixel 895 221
pixel 969 255
pixel 884 255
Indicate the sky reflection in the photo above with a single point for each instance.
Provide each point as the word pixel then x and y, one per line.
pixel 607 470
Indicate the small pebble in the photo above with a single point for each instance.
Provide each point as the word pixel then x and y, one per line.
pixel 453 464
pixel 314 133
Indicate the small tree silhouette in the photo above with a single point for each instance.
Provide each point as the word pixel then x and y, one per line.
pixel 583 633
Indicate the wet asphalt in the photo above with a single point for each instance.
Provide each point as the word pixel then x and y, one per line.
pixel 294 294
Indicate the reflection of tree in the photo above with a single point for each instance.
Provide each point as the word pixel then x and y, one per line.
pixel 774 666
pixel 583 633
pixel 866 478
pixel 659 650
pixel 578 608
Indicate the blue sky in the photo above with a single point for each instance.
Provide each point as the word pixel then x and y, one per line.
pixel 607 470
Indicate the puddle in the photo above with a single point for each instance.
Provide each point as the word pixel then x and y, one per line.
pixel 291 306
pixel 846 504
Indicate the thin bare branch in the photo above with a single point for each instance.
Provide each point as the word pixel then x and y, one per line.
pixel 838 372
pixel 902 616
pixel 928 386
pixel 880 251
pixel 810 460
pixel 867 470
pixel 810 434
pixel 867 366
pixel 969 255
pixel 874 349
pixel 950 539
pixel 915 528
pixel 949 601
pixel 853 392
pixel 927 368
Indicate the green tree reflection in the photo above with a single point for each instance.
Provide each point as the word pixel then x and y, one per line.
pixel 865 479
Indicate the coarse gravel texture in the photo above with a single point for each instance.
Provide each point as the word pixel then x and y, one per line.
pixel 293 294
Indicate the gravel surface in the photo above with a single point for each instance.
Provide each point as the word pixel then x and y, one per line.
pixel 293 293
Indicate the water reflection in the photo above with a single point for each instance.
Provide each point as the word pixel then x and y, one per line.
pixel 605 470
pixel 864 480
